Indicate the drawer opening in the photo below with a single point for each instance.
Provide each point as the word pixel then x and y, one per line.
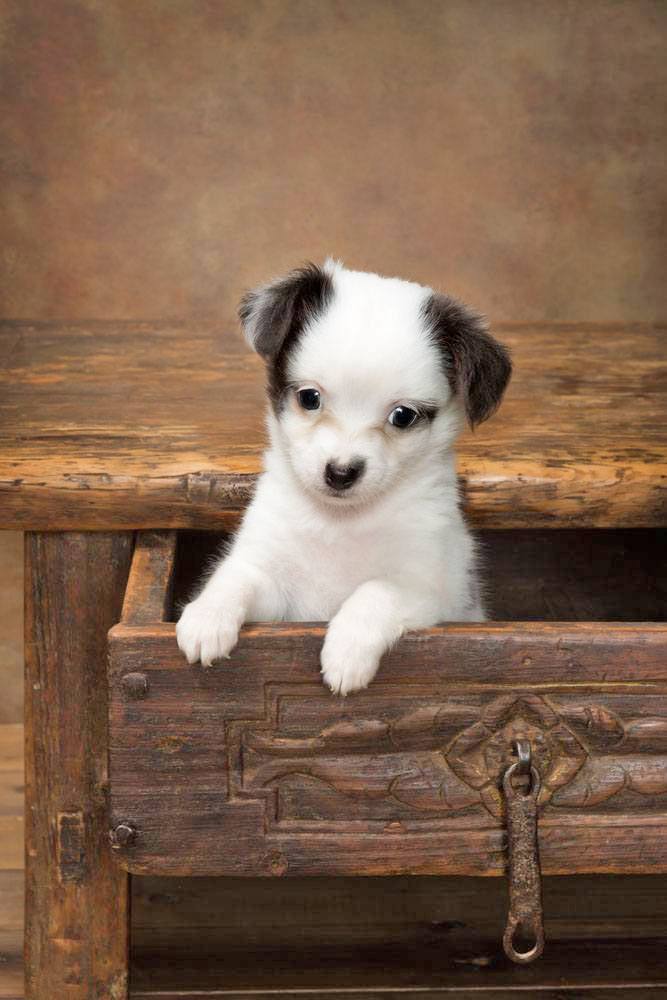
pixel 611 575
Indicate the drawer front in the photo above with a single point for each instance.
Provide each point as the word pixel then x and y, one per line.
pixel 253 767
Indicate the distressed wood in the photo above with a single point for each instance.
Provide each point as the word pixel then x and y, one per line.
pixel 11 964
pixel 194 919
pixel 12 830
pixel 12 888
pixel 640 992
pixel 129 425
pixel 253 768
pixel 11 627
pixel 207 915
pixel 148 591
pixel 11 746
pixel 76 898
pixel 599 970
pixel 11 795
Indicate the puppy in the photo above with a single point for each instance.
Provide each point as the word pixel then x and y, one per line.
pixel 356 517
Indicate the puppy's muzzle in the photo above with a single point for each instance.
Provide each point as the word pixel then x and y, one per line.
pixel 342 477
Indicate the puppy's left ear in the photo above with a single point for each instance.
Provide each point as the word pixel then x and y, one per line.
pixel 478 367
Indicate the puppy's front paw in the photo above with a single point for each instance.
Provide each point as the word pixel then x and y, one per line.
pixel 348 664
pixel 206 633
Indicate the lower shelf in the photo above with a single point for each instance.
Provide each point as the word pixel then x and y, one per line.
pixel 371 938
pixel 601 969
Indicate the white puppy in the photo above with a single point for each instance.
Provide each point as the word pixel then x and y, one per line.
pixel 356 518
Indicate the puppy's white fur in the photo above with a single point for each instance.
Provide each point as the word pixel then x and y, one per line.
pixel 392 552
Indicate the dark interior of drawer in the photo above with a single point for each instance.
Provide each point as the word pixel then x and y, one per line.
pixel 545 575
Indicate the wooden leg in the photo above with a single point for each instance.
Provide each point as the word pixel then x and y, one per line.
pixel 76 945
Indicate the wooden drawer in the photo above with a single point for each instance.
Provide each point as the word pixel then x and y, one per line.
pixel 253 768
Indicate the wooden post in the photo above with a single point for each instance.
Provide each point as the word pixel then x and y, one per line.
pixel 76 898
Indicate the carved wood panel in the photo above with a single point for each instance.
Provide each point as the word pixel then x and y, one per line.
pixel 418 760
pixel 255 768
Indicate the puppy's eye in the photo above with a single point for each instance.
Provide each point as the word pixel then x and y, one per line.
pixel 309 399
pixel 403 417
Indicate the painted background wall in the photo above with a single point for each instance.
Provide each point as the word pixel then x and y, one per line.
pixel 157 157
pixel 161 155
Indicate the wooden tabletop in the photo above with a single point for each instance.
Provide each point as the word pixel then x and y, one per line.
pixel 107 425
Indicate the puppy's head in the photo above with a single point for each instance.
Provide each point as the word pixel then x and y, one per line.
pixel 369 378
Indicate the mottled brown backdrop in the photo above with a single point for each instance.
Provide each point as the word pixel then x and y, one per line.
pixel 159 156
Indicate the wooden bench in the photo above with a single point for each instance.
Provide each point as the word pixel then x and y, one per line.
pixel 109 430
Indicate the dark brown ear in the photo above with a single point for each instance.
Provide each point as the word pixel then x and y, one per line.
pixel 477 366
pixel 274 315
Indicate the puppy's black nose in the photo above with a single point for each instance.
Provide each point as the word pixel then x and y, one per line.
pixel 341 477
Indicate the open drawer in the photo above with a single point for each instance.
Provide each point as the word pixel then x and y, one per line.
pixel 252 767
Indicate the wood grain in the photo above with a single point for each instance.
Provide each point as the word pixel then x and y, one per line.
pixel 254 768
pixel 76 898
pixel 11 794
pixel 11 627
pixel 148 590
pixel 11 841
pixel 112 425
pixel 11 861
pixel 576 969
pixel 634 992
pixel 11 969
pixel 11 746
pixel 207 915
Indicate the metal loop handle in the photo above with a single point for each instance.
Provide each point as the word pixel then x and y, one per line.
pixel 525 882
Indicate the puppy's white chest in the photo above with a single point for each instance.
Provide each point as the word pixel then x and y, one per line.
pixel 322 572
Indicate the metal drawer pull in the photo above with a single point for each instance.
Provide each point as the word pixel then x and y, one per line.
pixel 525 882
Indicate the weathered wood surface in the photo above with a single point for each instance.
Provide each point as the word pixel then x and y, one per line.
pixel 148 591
pixel 11 861
pixel 76 897
pixel 108 425
pixel 252 767
pixel 597 970
pixel 179 924
pixel 11 797
pixel 205 916
pixel 634 992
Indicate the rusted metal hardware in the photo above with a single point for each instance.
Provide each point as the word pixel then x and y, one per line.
pixel 122 836
pixel 135 685
pixel 524 919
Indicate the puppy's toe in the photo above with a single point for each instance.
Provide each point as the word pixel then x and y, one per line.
pixel 218 643
pixel 346 665
pixel 188 638
pixel 203 634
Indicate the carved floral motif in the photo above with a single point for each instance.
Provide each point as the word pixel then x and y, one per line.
pixel 437 760
pixel 480 754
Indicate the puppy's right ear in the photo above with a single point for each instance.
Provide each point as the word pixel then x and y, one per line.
pixel 274 315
